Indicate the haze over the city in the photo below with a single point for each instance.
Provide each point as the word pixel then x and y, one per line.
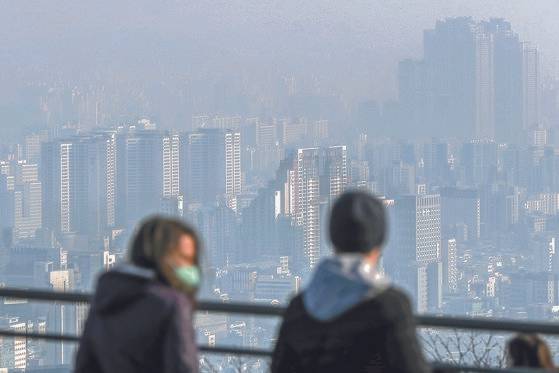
pixel 247 120
pixel 352 47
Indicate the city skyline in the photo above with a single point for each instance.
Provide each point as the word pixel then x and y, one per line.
pixel 464 156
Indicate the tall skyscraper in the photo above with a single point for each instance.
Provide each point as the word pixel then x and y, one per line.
pixel 233 171
pixel 335 172
pixel 484 84
pixel 78 184
pixel 460 214
pixel 316 178
pixel 415 260
pixel 530 87
pixel 171 169
pixel 507 75
pixel 27 201
pixel 140 176
pixel 474 81
pixel 211 166
pixel 450 80
pixel 306 209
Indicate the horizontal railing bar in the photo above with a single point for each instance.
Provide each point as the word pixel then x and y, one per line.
pixel 503 325
pixel 241 308
pixel 235 351
pixel 256 352
pixel 75 338
pixel 268 310
pixel 45 295
pixel 447 368
pixel 42 336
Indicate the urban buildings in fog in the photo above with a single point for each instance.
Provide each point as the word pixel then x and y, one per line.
pixel 466 161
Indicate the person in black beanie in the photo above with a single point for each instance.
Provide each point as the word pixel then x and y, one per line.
pixel 350 319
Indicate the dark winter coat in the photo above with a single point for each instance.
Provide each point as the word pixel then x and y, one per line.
pixel 137 324
pixel 345 323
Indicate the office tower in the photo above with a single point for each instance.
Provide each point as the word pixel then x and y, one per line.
pixel 435 163
pixel 530 87
pixel 268 151
pixel 225 123
pixel 267 228
pixel 20 198
pixel 266 135
pixel 140 174
pixel 212 167
pixel 499 210
pixel 316 178
pixel 13 351
pixel 78 184
pixel 484 84
pixel 449 56
pixel 537 291
pixel 32 146
pixel 27 201
pixel 415 259
pixel 7 211
pixel 475 76
pixel 335 172
pixel 460 214
pixel 545 255
pixel 416 107
pixel 293 132
pixel 507 75
pixel 63 316
pixel 317 131
pixel 219 227
pixel 478 160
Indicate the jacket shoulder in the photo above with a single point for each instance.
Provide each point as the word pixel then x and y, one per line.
pixel 168 296
pixel 392 304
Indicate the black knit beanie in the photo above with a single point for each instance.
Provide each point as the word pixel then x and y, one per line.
pixel 357 223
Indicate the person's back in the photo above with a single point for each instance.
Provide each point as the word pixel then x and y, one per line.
pixel 348 319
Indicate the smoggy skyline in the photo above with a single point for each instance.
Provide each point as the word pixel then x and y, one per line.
pixel 364 40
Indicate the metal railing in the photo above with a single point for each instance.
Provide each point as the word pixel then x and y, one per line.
pixel 450 322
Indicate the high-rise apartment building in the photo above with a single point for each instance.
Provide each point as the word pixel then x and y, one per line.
pixel 171 169
pixel 317 177
pixel 306 197
pixel 78 184
pixel 211 167
pixel 27 201
pixel 335 172
pixel 417 248
pixel 140 176
pixel 21 201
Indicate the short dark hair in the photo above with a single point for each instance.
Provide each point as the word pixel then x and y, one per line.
pixel 357 223
pixel 155 237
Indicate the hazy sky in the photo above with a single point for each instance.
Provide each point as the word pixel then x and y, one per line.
pixel 360 40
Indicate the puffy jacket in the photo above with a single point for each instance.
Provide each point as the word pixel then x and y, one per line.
pixel 137 324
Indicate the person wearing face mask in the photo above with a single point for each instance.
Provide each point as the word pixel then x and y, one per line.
pixel 350 319
pixel 140 319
